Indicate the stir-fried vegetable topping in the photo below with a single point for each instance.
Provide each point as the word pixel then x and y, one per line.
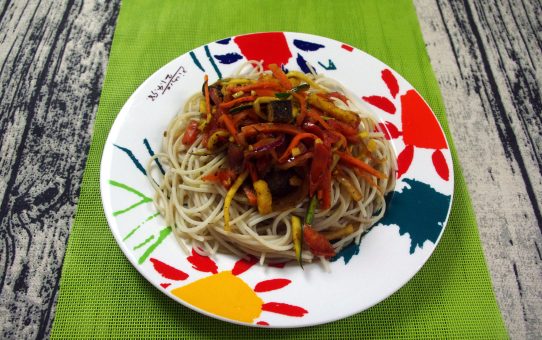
pixel 286 141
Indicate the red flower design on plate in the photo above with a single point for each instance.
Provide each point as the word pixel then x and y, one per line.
pixel 420 126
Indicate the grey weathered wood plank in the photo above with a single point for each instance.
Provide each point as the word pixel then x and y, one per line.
pixel 52 62
pixel 487 56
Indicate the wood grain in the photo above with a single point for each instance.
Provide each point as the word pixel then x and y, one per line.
pixel 53 57
pixel 486 55
pixel 488 60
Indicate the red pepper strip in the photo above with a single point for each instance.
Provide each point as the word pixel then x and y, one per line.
pixel 318 244
pixel 252 171
pixel 295 161
pixel 314 115
pixel 349 132
pixel 313 128
pixel 329 136
pixel 353 161
pixel 264 146
pixel 343 128
pixel 213 94
pixel 320 164
pixel 237 118
pixel 340 136
pixel 191 133
pixel 279 74
pixel 254 129
pixel 231 103
pixel 337 95
pixel 273 154
pixel 326 188
pixel 231 127
pixel 261 85
pixel 263 142
pixel 303 108
pixel 293 144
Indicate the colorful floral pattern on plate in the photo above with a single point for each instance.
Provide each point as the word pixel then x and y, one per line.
pixel 281 295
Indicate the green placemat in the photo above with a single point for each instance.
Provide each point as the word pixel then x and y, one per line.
pixel 102 295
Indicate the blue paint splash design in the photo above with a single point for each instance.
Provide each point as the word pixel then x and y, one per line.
pixel 151 152
pixel 212 60
pixel 224 41
pixel 418 210
pixel 196 61
pixel 133 158
pixel 302 63
pixel 228 58
pixel 307 46
pixel 347 253
pixel 330 66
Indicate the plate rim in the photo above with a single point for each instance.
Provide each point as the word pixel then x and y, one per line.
pixel 103 182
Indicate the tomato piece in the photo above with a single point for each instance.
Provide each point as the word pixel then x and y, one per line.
pixel 226 177
pixel 251 196
pixel 191 133
pixel 318 244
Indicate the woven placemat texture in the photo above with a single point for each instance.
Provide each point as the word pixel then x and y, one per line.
pixel 102 295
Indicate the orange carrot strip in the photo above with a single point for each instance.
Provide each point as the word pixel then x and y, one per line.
pixel 239 117
pixel 259 85
pixel 234 102
pixel 367 179
pixel 353 161
pixel 279 74
pixel 294 143
pixel 265 93
pixel 314 115
pixel 231 127
pixel 207 98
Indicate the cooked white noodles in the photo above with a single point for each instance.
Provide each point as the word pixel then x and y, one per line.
pixel 194 207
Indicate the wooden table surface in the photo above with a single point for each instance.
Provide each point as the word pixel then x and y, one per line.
pixel 487 56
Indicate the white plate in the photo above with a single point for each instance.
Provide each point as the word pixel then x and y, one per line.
pixel 389 254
